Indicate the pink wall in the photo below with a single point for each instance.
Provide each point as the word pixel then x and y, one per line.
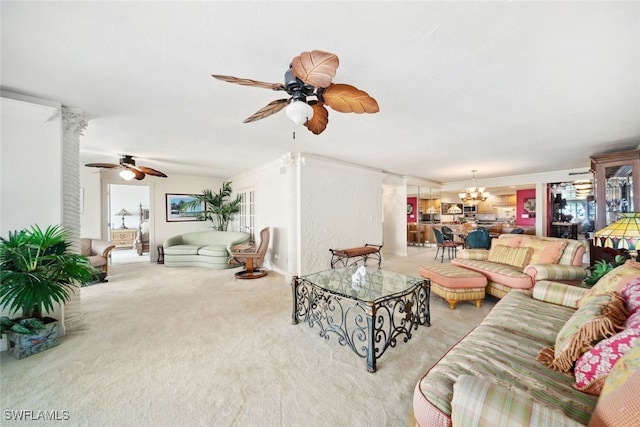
pixel 413 216
pixel 522 216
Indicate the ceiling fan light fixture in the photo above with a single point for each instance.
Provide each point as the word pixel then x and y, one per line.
pixel 127 175
pixel 299 112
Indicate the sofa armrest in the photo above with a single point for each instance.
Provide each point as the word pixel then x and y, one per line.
pixel 172 241
pixel 477 254
pixel 477 401
pixel 557 272
pixel 558 293
pixel 101 247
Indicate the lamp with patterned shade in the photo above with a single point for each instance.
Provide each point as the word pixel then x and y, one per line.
pixel 622 234
pixel 454 209
pixel 123 212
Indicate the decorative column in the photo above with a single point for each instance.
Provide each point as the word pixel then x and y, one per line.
pixel 291 167
pixel 74 123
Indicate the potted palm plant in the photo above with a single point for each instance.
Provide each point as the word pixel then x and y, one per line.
pixel 37 270
pixel 218 208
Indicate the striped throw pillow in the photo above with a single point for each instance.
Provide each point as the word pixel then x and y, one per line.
pixel 516 257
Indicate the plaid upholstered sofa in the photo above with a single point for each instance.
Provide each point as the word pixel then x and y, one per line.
pixel 496 376
pixel 521 260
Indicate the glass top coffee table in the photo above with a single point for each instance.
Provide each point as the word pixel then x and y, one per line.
pixel 368 312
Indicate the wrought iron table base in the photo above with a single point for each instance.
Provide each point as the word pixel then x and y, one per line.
pixel 368 328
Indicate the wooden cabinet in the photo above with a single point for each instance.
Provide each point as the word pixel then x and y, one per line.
pixel 505 200
pixel 123 237
pixel 617 181
pixel 425 204
pixel 485 207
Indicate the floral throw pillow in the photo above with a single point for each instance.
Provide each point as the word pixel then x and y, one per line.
pixel 592 367
pixel 631 295
pixel 601 317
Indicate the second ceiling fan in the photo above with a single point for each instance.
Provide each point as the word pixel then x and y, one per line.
pixel 129 168
pixel 308 81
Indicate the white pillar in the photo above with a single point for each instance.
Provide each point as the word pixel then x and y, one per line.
pixel 74 124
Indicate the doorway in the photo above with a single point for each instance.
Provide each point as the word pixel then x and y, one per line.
pixel 128 213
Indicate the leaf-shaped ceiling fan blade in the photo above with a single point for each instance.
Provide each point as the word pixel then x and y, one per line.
pixel 150 171
pixel 249 82
pixel 269 109
pixel 102 165
pixel 315 68
pixel 139 175
pixel 320 119
pixel 349 99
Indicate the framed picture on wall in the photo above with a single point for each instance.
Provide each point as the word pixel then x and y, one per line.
pixel 529 206
pixel 178 208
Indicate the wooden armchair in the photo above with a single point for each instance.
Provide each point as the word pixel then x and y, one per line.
pixel 251 258
pixel 97 251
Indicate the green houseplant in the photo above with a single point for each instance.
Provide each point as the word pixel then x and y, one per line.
pixel 601 267
pixel 218 208
pixel 37 270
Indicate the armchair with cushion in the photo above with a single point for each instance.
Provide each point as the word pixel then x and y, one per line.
pixel 251 258
pixel 479 239
pixel 97 251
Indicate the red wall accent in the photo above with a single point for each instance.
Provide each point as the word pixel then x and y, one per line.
pixel 521 197
pixel 414 216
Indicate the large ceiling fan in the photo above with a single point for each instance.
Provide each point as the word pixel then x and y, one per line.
pixel 309 76
pixel 129 168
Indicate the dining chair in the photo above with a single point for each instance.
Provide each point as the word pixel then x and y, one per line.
pixel 443 244
pixel 447 233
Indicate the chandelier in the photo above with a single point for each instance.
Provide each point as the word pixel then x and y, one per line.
pixel 474 194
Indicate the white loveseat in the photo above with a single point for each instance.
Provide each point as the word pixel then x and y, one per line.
pixel 209 249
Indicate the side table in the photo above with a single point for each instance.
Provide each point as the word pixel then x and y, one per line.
pixel 160 254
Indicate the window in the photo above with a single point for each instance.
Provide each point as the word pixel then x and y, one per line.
pixel 246 217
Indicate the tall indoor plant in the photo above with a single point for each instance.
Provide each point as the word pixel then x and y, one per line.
pixel 218 208
pixel 37 270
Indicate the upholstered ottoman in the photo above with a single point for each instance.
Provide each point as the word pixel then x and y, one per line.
pixel 455 283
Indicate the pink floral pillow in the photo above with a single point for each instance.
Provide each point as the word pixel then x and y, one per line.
pixel 594 365
pixel 631 295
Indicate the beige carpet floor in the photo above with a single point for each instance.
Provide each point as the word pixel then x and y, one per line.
pixel 196 347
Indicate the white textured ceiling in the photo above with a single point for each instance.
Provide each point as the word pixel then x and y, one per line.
pixel 506 88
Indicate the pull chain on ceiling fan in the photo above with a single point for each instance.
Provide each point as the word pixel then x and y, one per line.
pixel 310 76
pixel 129 169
